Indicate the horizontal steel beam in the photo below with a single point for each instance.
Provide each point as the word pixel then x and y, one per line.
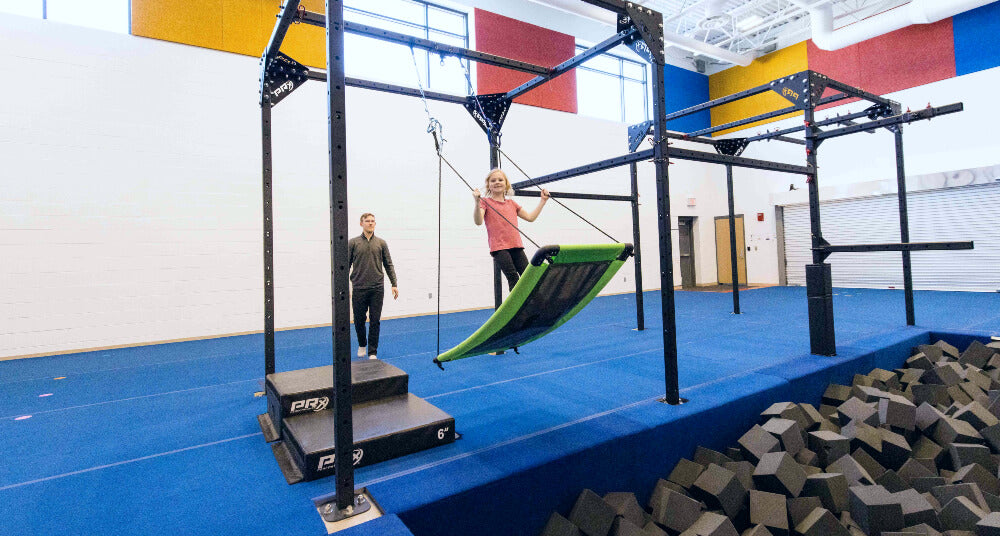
pixel 720 101
pixel 573 62
pixel 907 246
pixel 318 19
pixel 571 195
pixel 618 6
pixel 906 117
pixel 859 93
pixel 738 161
pixel 765 116
pixel 583 170
pixel 830 121
pixel 390 88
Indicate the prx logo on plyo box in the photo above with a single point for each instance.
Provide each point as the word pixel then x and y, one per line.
pixel 326 462
pixel 310 404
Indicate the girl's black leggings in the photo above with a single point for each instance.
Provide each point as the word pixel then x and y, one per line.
pixel 512 263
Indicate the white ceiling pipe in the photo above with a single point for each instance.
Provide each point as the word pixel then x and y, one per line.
pixel 706 49
pixel 916 12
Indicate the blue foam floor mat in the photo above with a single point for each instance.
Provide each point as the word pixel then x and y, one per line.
pixel 163 439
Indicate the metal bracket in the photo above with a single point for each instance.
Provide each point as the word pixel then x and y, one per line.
pixel 802 89
pixel 731 146
pixel 879 110
pixel 494 106
pixel 650 26
pixel 637 133
pixel 280 77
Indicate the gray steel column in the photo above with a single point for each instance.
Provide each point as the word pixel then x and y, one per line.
pixel 819 281
pixel 904 226
pixel 734 262
pixel 265 124
pixel 640 319
pixel 342 399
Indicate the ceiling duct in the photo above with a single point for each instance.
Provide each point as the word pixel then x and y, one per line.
pixel 915 12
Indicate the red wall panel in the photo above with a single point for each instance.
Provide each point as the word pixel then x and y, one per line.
pixel 518 40
pixel 909 57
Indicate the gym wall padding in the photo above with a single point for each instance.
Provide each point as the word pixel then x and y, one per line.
pixel 684 89
pixel 239 26
pixel 518 40
pixel 909 57
pixel 977 39
pixel 783 62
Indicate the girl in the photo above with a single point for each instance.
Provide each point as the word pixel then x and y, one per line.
pixel 505 240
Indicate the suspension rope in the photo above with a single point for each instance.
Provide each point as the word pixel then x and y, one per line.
pixel 556 200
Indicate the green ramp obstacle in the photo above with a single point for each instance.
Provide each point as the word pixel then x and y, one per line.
pixel 557 284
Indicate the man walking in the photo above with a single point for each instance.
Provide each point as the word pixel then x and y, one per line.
pixel 368 255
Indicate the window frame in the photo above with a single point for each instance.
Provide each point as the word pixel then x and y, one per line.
pixel 622 78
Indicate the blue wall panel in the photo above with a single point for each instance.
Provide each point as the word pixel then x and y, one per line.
pixel 684 89
pixel 977 39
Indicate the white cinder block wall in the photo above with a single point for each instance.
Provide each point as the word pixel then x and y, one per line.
pixel 130 190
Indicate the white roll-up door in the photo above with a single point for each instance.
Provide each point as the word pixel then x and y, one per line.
pixel 951 214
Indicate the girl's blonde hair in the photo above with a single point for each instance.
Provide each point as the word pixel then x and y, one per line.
pixel 507 191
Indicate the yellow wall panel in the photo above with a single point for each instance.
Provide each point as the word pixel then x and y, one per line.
pixel 780 63
pixel 181 21
pixel 240 26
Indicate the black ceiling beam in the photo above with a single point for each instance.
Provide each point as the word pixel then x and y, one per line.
pixel 318 19
pixel 906 117
pixel 573 62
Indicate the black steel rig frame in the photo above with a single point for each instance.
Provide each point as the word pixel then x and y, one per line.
pixel 642 30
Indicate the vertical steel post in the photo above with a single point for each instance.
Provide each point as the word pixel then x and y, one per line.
pixel 732 241
pixel 342 399
pixel 660 155
pixel 265 125
pixel 640 319
pixel 904 226
pixel 494 139
pixel 819 282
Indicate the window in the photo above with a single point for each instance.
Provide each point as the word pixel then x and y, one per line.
pixel 613 87
pixel 374 59
pixel 110 15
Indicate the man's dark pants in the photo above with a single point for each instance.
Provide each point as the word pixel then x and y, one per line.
pixel 368 302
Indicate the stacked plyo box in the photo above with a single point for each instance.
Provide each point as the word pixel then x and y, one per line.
pixel 913 451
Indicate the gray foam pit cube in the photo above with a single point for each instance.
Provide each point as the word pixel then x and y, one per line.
pixel 835 395
pixel 976 376
pixel 820 522
pixel 626 506
pixel 961 514
pixel 560 526
pixel 768 509
pixel 959 395
pixel 978 416
pixel 891 481
pixel 949 430
pixel 989 525
pixel 757 530
pixel 917 509
pixel 882 375
pixel 925 447
pixel 711 524
pixel 913 469
pixel 624 527
pixel 932 352
pixel 778 472
pixel 807 458
pixel 800 507
pixel 744 472
pixel 757 442
pixel 934 394
pixel 948 349
pixel 852 471
pixel 592 515
pixel 788 432
pixel 925 484
pixel 909 375
pixel 706 456
pixel 829 488
pixel 854 410
pixel 972 390
pixel 922 529
pixel 919 361
pixel 675 511
pixel 992 436
pixel 868 394
pixel 812 415
pixel 895 449
pixel 964 454
pixel 830 446
pixel 652 529
pixel 978 475
pixel 874 509
pixel 718 487
pixel 786 410
pixel 734 453
pixel 870 464
pixel 897 411
pixel 942 374
pixel 685 473
pixel 944 494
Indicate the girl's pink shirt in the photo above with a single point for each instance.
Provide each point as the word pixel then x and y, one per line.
pixel 502 235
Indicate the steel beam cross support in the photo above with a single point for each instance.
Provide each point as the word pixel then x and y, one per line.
pixel 649 42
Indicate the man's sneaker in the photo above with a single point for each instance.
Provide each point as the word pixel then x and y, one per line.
pixel 373 356
pixel 362 350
